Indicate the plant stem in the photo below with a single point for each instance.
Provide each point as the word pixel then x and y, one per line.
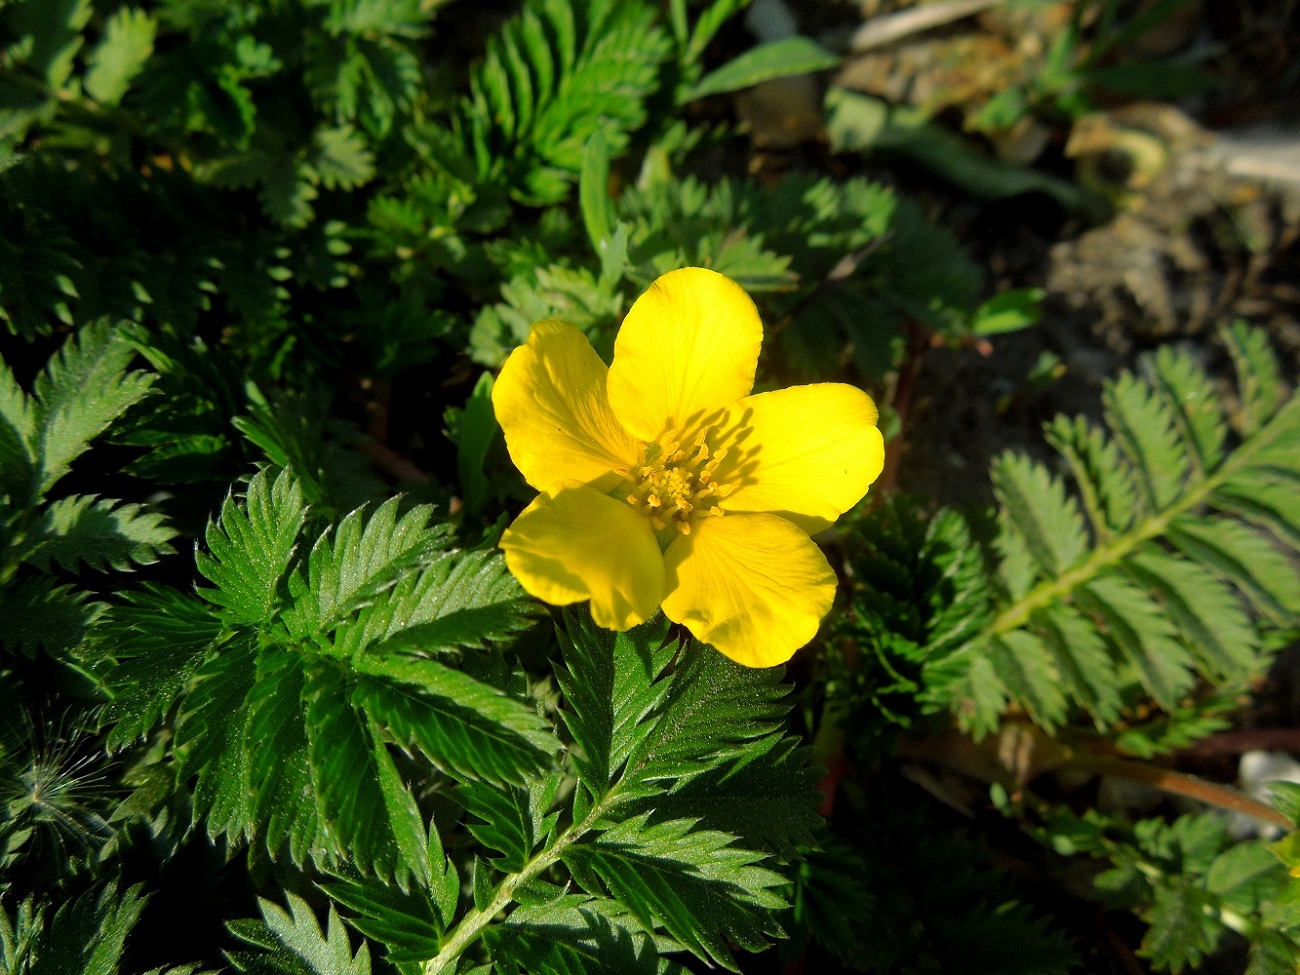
pixel 1179 783
pixel 471 926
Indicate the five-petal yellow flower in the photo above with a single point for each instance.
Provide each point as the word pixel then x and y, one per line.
pixel 664 482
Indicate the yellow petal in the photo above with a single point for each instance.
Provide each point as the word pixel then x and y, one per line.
pixel 551 403
pixel 580 544
pixel 753 585
pixel 809 453
pixel 688 347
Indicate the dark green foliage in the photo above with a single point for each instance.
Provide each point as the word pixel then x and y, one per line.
pixel 934 890
pixel 83 390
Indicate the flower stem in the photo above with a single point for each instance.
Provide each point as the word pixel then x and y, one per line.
pixel 471 926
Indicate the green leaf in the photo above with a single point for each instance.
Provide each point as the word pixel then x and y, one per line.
pixel 104 534
pixel 292 943
pixel 513 820
pixel 611 686
pixel 715 711
pixel 159 638
pixel 457 599
pixel 1028 670
pixel 17 436
pixel 38 615
pixel 1043 515
pixel 575 935
pixel 1144 428
pixel 120 54
pixel 1144 635
pixel 1103 475
pixel 704 891
pixel 1258 378
pixel 471 730
pixel 408 923
pixel 776 59
pixel 1246 559
pixel 1009 311
pixel 251 547
pixel 352 567
pixel 83 389
pixel 342 159
pixel 1182 928
pixel 1191 398
pixel 1208 614
pixel 344 773
pixel 593 193
pixel 477 431
pixel 1081 659
pixel 86 935
pixel 51 30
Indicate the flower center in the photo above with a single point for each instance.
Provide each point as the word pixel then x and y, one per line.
pixel 674 483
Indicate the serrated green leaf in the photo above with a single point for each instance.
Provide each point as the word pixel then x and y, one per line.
pixel 1192 400
pixel 1102 474
pixel 1044 516
pixel 1244 558
pixel 251 547
pixel 294 943
pixel 120 55
pixel 351 567
pixel 344 774
pixel 513 820
pixel 99 532
pixel 1028 669
pixel 1258 379
pixel 38 615
pixel 715 711
pixel 342 159
pixel 704 891
pixel 82 390
pixel 458 600
pixel 576 935
pixel 775 59
pixel 1207 613
pixel 611 684
pixel 769 802
pixel 1263 496
pixel 1139 628
pixel 408 923
pixel 1182 930
pixel 1081 658
pixel 1144 428
pixel 159 638
pixel 17 435
pixel 471 730
pixel 87 935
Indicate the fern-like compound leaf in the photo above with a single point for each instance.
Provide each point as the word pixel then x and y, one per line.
pixel 1184 530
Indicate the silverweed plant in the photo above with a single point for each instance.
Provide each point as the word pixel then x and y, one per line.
pixel 450 524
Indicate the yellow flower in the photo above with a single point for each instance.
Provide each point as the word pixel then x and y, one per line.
pixel 664 482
